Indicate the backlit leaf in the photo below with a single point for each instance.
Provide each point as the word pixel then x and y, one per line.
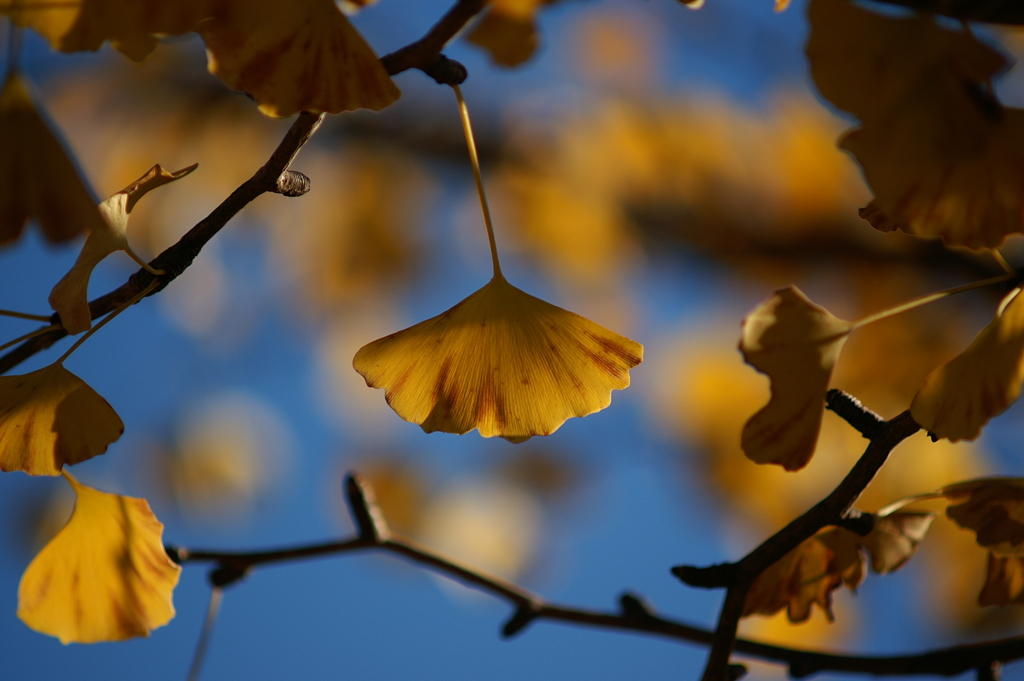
pixel 894 539
pixel 130 26
pixel 992 508
pixel 104 577
pixel 50 418
pixel 796 343
pixel 500 361
pixel 295 56
pixel 958 398
pixel 1004 581
pixel 40 180
pixel 70 297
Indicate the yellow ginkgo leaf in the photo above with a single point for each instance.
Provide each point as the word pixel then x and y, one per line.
pixel 796 343
pixel 958 398
pixel 808 575
pixel 70 297
pixel 40 180
pixel 50 418
pixel 992 508
pixel 500 361
pixel 894 539
pixel 295 56
pixel 1004 581
pixel 508 31
pixel 104 577
pixel 131 26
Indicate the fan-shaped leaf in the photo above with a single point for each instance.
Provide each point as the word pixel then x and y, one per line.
pixel 992 508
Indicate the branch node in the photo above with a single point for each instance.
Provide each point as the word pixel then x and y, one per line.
pixel 712 577
pixel 858 522
pixel 292 183
pixel 366 514
pixel 635 608
pixel 521 618
pixel 446 71
pixel 992 671
pixel 737 671
pixel 801 668
pixel 868 423
pixel 226 575
pixel 176 553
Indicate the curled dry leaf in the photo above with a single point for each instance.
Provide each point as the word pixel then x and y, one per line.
pixel 992 508
pixel 958 398
pixel 942 156
pixel 40 180
pixel 70 297
pixel 500 361
pixel 1004 581
pixel 808 575
pixel 131 26
pixel 295 56
pixel 104 577
pixel 50 418
pixel 894 539
pixel 796 343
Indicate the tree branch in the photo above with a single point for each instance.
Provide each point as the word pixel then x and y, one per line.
pixel 273 177
pixel 992 11
pixel 832 510
pixel 634 615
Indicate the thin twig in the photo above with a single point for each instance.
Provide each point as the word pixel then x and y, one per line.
pixel 634 614
pixel 424 54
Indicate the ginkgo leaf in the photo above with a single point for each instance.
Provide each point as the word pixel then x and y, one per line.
pixel 40 180
pixel 942 156
pixel 992 508
pixel 502 362
pixel 808 575
pixel 50 418
pixel 958 398
pixel 295 56
pixel 894 539
pixel 104 577
pixel 1004 581
pixel 796 343
pixel 70 297
pixel 508 31
pixel 131 26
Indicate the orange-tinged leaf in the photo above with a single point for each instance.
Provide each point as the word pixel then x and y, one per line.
pixel 1004 581
pixel 510 40
pixel 131 26
pixel 295 56
pixel 796 343
pixel 502 362
pixel 38 177
pixel 70 297
pixel 894 539
pixel 104 577
pixel 808 575
pixel 958 398
pixel 50 418
pixel 992 508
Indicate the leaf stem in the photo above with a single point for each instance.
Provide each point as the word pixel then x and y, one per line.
pixel 931 298
pixel 131 301
pixel 24 315
pixel 1001 260
pixel 216 596
pixel 145 265
pixel 31 334
pixel 475 161
pixel 907 501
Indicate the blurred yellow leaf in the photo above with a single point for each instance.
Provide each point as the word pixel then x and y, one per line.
pixel 958 398
pixel 500 361
pixel 130 26
pixel 992 508
pixel 1004 581
pixel 40 180
pixel 104 577
pixel 941 155
pixel 70 297
pixel 807 575
pixel 295 56
pixel 894 539
pixel 796 343
pixel 508 31
pixel 50 418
